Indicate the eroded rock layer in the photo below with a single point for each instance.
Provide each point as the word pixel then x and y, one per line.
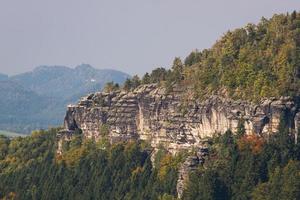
pixel 148 113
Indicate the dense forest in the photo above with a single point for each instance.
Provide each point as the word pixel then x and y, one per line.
pixel 30 169
pixel 249 167
pixel 239 167
pixel 249 63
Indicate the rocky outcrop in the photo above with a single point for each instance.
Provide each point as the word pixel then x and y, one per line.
pixel 148 113
pixel 64 135
pixel 190 164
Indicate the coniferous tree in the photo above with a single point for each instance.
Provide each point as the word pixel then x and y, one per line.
pixel 146 79
pixel 135 81
pixel 111 86
pixel 127 85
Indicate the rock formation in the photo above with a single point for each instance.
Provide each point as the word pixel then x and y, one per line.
pixel 148 113
pixel 189 165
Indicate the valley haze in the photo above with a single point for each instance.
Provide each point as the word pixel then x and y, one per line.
pixel 37 99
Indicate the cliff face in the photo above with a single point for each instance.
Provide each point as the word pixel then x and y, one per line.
pixel 149 114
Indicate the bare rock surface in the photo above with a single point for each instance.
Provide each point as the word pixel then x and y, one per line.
pixel 148 113
pixel 190 164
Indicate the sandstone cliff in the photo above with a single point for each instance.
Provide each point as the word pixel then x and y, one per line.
pixel 148 113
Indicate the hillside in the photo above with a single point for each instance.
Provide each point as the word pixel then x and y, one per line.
pixel 37 99
pixel 19 108
pixel 233 167
pixel 63 82
pixel 210 105
pixel 223 124
pixel 250 63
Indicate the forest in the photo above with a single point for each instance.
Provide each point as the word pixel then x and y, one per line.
pixel 30 169
pixel 239 166
pixel 250 63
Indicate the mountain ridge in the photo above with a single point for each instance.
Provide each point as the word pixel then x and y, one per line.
pixel 62 81
pixel 51 88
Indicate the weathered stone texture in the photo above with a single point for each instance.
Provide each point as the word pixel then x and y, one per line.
pixel 147 113
pixel 190 164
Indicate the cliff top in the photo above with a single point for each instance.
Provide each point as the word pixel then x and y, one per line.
pixel 250 63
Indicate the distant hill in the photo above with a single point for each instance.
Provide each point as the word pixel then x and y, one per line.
pixel 3 77
pixel 64 82
pixel 18 107
pixel 37 99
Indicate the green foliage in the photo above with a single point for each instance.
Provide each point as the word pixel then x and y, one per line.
pixel 242 167
pixel 146 79
pixel 30 169
pixel 75 142
pixel 127 84
pixel 193 58
pixel 135 81
pixel 158 75
pixel 177 70
pixel 104 130
pixel 175 76
pixel 241 128
pixel 4 142
pixel 282 184
pixel 252 62
pixel 166 197
pixel 248 63
pixel 111 86
pixel 132 83
pixel 206 185
pixel 28 151
pixel 237 167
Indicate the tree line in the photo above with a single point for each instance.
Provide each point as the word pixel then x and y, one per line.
pixel 253 62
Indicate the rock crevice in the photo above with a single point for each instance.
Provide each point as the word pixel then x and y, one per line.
pixel 148 113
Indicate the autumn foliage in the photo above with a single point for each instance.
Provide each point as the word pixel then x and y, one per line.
pixel 253 142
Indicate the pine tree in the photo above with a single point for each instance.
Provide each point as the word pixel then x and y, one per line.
pixel 177 70
pixel 135 81
pixel 127 85
pixel 146 79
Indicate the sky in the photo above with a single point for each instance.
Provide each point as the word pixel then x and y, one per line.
pixel 134 36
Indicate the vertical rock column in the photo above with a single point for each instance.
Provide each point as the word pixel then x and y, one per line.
pixel 189 165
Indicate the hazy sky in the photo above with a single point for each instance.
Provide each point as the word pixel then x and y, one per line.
pixel 129 35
